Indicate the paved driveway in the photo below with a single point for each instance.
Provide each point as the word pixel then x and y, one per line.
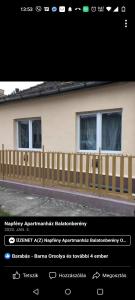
pixel 21 202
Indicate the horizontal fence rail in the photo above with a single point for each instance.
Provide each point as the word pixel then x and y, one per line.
pixel 103 173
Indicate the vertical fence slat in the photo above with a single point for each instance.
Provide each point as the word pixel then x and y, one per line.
pixel 130 175
pixel 48 166
pixel 69 166
pixel 74 169
pixel 63 168
pixel 87 172
pixel 113 173
pixel 58 167
pixel 39 163
pixel 13 163
pixel 6 170
pixel 0 164
pixel 35 164
pixel 21 164
pixel 3 161
pixel 90 171
pixel 81 170
pixel 52 174
pixel 107 172
pixel 121 174
pixel 17 164
pixel 9 163
pixel 43 167
pixel 25 157
pixel 93 171
pixel 30 165
pixel 99 171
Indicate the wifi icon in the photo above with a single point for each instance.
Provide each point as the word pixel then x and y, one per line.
pixel 108 8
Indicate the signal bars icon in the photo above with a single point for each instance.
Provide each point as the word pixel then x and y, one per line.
pixel 116 9
pixel 109 8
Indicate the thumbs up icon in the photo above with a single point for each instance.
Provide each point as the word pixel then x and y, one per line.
pixel 16 275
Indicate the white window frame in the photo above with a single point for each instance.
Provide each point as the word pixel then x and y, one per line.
pixel 30 135
pixel 98 132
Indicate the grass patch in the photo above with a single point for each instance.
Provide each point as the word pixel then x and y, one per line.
pixel 4 213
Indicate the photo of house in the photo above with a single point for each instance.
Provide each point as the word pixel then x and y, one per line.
pixel 70 117
pixel 78 134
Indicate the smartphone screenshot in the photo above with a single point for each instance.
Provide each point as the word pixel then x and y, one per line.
pixel 67 187
pixel 96 14
pixel 70 37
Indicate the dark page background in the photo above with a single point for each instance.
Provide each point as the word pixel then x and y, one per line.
pixel 63 46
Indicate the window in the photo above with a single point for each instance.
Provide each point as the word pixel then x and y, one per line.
pixel 100 131
pixel 88 132
pixel 29 134
pixel 36 134
pixel 23 134
pixel 111 131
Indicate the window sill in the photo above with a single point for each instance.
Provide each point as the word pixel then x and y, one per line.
pixel 28 149
pixel 101 152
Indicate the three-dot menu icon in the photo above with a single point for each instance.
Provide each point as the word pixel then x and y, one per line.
pixel 126 24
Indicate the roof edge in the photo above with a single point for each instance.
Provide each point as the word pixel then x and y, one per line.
pixel 57 89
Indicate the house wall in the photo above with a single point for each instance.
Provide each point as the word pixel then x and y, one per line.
pixel 59 116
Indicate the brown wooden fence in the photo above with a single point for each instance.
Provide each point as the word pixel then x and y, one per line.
pixel 99 173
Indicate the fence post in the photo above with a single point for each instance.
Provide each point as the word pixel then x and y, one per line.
pixel 3 161
pixel 114 173
pixel 93 172
pixel 52 164
pixel 87 171
pixel 130 176
pixel 121 174
pixel 43 165
pixel 81 171
pixel 107 160
pixel 74 169
pixel 99 170
pixel 58 167
pixel 63 168
pixel 68 168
